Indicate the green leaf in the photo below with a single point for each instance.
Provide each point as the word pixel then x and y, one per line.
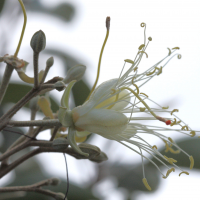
pixel 1 5
pixel 64 11
pixel 80 92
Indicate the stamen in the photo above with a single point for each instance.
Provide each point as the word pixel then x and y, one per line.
pixel 142 109
pixel 170 139
pixel 165 107
pixel 123 88
pixel 150 73
pixel 129 61
pixel 159 71
pixel 184 172
pixel 193 133
pixel 100 57
pixel 144 94
pixel 169 51
pixel 144 180
pixel 173 151
pixel 175 110
pixel 144 53
pixel 176 48
pixel 185 128
pixel 191 162
pixel 168 172
pixel 179 56
pixel 154 147
pixel 170 160
pixel 141 46
pixel 136 87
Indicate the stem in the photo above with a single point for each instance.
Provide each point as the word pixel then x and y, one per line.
pixel 23 146
pixel 35 64
pixel 54 133
pixel 23 28
pixel 5 118
pixel 5 81
pixel 10 167
pixel 45 74
pixel 49 122
pixel 35 188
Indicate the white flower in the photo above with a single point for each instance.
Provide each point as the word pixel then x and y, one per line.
pixel 113 108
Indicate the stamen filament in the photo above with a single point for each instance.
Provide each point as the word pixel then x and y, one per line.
pixel 23 28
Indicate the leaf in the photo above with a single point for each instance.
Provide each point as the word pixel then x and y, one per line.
pixel 1 5
pixel 64 11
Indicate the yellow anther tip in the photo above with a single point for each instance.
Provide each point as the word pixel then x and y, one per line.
pixel 144 180
pixel 192 133
pixel 154 147
pixel 169 171
pixel 183 173
pixel 191 162
pixel 170 139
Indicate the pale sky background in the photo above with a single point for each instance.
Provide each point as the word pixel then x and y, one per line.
pixel 170 23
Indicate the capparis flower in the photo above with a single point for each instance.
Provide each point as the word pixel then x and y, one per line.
pixel 114 108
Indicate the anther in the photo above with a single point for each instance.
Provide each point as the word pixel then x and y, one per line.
pixel 191 162
pixel 176 48
pixel 142 109
pixel 154 147
pixel 169 51
pixel 129 61
pixel 108 23
pixel 144 94
pixel 175 110
pixel 144 180
pixel 168 172
pixel 184 172
pixel 179 56
pixel 192 133
pixel 141 46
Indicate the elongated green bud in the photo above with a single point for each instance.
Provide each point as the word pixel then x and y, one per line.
pixel 75 73
pixel 38 41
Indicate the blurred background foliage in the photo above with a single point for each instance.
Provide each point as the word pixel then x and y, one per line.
pixel 128 177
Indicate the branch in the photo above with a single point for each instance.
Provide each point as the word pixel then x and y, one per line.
pixel 48 122
pixel 23 145
pixel 36 188
pixel 5 118
pixel 94 152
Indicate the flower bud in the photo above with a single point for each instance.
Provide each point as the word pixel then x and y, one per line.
pixel 55 181
pixel 75 73
pixel 50 62
pixel 38 41
pixel 60 196
pixel 60 85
